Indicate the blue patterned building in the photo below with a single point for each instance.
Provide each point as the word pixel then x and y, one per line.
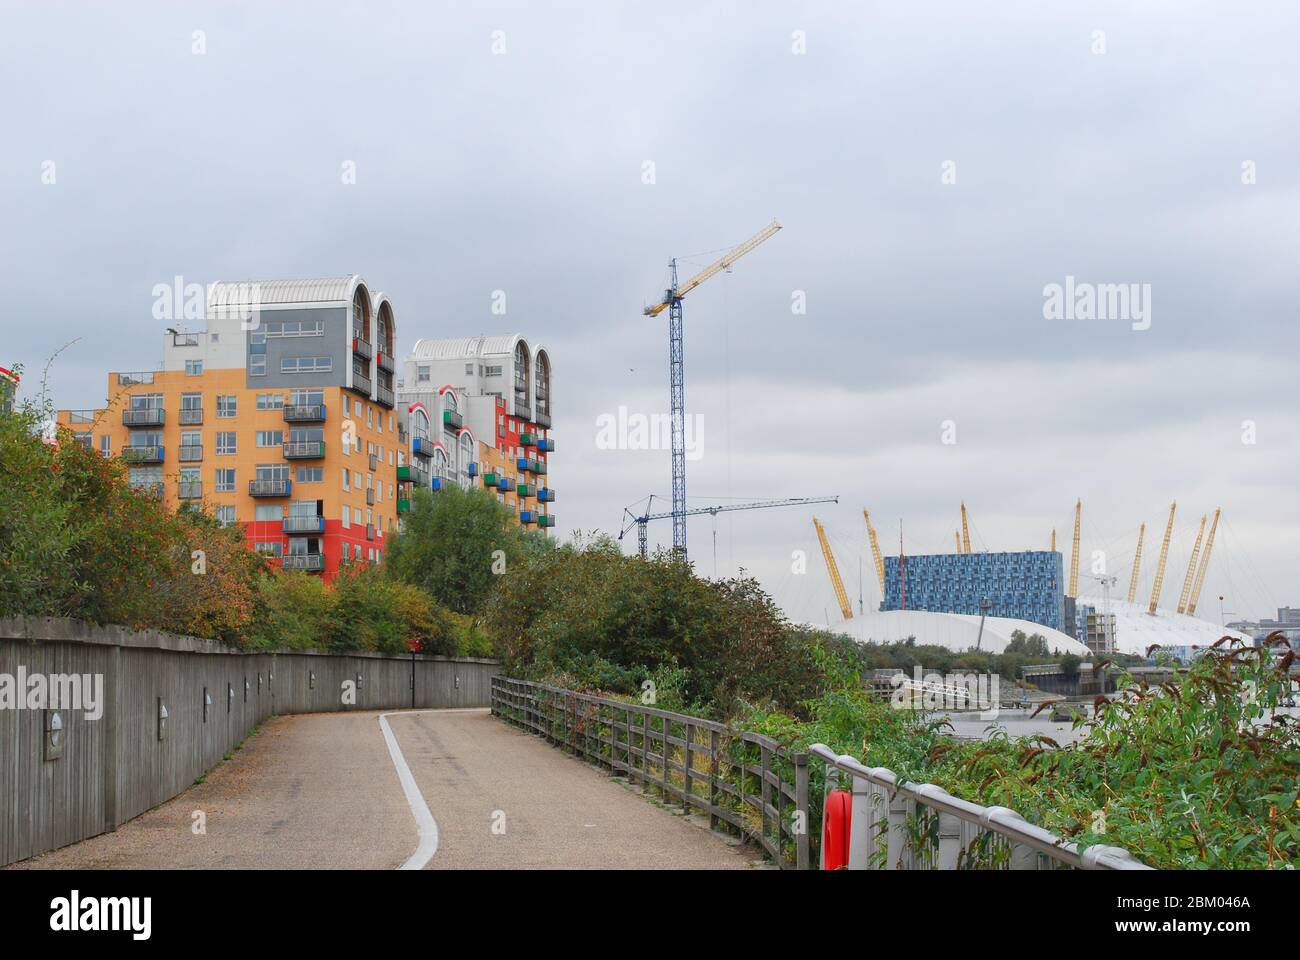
pixel 1025 586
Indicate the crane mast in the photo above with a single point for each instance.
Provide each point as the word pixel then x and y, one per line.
pixel 642 520
pixel 965 531
pixel 1137 564
pixel 1191 569
pixel 1074 551
pixel 1205 562
pixel 672 302
pixel 1160 565
pixel 834 572
pixel 875 551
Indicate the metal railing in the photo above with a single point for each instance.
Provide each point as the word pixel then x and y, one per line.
pixel 304 449
pixel 745 782
pixel 134 377
pixel 190 453
pixel 143 417
pixel 919 826
pixel 303 412
pixel 311 562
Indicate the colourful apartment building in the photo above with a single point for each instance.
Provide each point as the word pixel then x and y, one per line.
pixel 484 403
pixel 280 416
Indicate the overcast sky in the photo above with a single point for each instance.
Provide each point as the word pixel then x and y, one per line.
pixel 935 167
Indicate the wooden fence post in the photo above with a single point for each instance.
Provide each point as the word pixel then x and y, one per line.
pixel 803 815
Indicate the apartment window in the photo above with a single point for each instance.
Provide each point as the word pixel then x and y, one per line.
pixel 106 445
pixel 270 401
pixel 257 366
pixel 347 519
pixel 272 471
pixel 390 423
pixel 346 475
pixel 370 417
pixel 225 516
pixel 193 368
pixel 356 551
pixel 310 474
pixel 469 369
pixel 294 328
pixel 225 480
pixel 306 364
pixel 356 515
pixel 356 479
pixel 226 443
pixel 269 512
pixel 146 401
pixel 306 398
pixel 190 475
pixel 271 548
pixel 270 438
pixel 191 401
pixel 422 374
pixel 494 371
pixel 191 438
pixel 501 430
pixel 145 476
pixel 347 406
pixel 227 407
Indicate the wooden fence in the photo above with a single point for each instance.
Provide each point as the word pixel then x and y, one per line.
pixel 746 783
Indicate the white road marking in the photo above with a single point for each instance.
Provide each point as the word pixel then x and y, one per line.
pixel 428 827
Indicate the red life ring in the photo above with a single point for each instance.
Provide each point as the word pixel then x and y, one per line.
pixel 835 830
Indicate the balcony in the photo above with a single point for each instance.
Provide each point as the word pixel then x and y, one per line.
pixel 422 446
pixel 522 463
pixel 527 517
pixel 546 520
pixel 135 378
pixel 304 450
pixel 542 419
pixel 528 439
pixel 269 488
pixel 385 361
pixel 452 420
pixel 538 467
pixel 190 490
pixel 527 490
pixel 304 413
pixel 471 468
pixel 152 454
pixel 374 462
pixel 506 484
pixel 191 417
pixel 546 495
pixel 370 531
pixel 361 383
pixel 403 506
pixel 191 454
pixel 523 411
pixel 304 525
pixel 152 417
pixel 370 497
pixel 410 473
pixel 385 396
pixel 545 444
pixel 310 562
pixel 439 483
pixel 362 348
pixel 154 490
pixel 490 478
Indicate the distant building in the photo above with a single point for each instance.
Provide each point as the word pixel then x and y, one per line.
pixel 487 406
pixel 1094 629
pixel 8 387
pixel 1288 621
pixel 1023 586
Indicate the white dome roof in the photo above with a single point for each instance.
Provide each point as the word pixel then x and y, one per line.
pixel 956 631
pixel 1136 630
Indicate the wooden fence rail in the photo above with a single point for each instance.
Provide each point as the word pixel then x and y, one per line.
pixel 746 783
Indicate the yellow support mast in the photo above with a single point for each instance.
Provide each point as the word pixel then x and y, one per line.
pixel 1053 539
pixel 834 571
pixel 1191 569
pixel 1074 552
pixel 965 531
pixel 1164 555
pixel 1137 565
pixel 1205 562
pixel 875 551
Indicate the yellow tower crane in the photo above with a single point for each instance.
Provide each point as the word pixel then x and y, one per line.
pixel 1053 539
pixel 1074 552
pixel 1205 562
pixel 875 551
pixel 1137 565
pixel 957 539
pixel 1160 565
pixel 834 571
pixel 1191 569
pixel 965 531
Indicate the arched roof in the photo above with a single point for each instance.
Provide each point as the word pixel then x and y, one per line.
pixel 466 348
pixel 956 631
pixel 320 290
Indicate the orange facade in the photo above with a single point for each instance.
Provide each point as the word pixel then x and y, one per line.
pixel 337 450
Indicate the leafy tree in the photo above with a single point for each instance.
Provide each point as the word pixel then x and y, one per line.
pixel 1070 665
pixel 450 542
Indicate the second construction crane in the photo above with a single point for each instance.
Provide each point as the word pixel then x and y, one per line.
pixel 672 302
pixel 641 520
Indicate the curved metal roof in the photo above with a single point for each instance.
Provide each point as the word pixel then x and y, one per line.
pixel 465 348
pixel 231 293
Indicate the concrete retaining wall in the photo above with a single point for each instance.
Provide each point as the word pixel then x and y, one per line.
pixel 115 767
